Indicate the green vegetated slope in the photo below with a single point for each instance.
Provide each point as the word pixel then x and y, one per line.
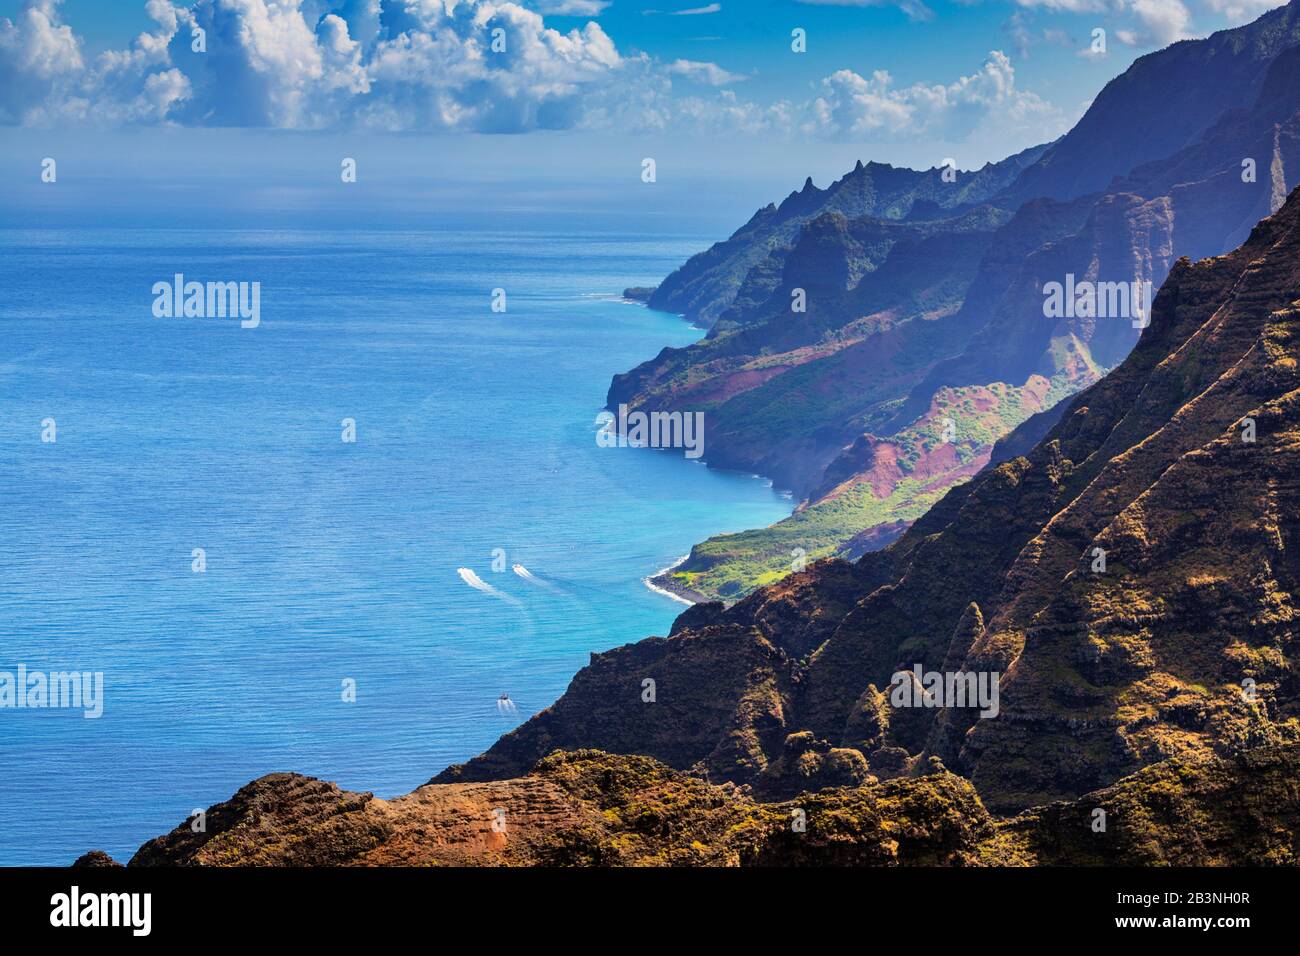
pixel 895 482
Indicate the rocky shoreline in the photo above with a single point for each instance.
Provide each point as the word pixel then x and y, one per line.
pixel 665 583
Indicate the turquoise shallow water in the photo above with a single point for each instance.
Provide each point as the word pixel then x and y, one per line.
pixel 326 561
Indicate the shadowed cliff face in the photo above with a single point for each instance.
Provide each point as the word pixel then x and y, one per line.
pixel 1178 643
pixel 898 312
pixel 595 809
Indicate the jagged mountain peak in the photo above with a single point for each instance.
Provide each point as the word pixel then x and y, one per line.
pixel 707 285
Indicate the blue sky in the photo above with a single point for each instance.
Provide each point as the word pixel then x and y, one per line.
pixel 583 88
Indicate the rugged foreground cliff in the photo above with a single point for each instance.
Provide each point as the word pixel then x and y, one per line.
pixel 596 809
pixel 1126 576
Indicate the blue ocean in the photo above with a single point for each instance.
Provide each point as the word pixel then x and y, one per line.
pixel 362 605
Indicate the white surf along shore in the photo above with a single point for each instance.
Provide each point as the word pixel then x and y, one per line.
pixel 649 582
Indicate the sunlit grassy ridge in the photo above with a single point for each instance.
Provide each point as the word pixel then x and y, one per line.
pixel 912 478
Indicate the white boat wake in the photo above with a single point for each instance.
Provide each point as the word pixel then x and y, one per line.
pixel 531 578
pixel 478 584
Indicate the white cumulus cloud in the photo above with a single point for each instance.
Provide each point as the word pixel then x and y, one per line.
pixel 1164 21
pixel 709 73
pixel 1238 12
pixel 403 64
pixel 490 66
pixel 571 8
pixel 855 107
pixel 915 9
